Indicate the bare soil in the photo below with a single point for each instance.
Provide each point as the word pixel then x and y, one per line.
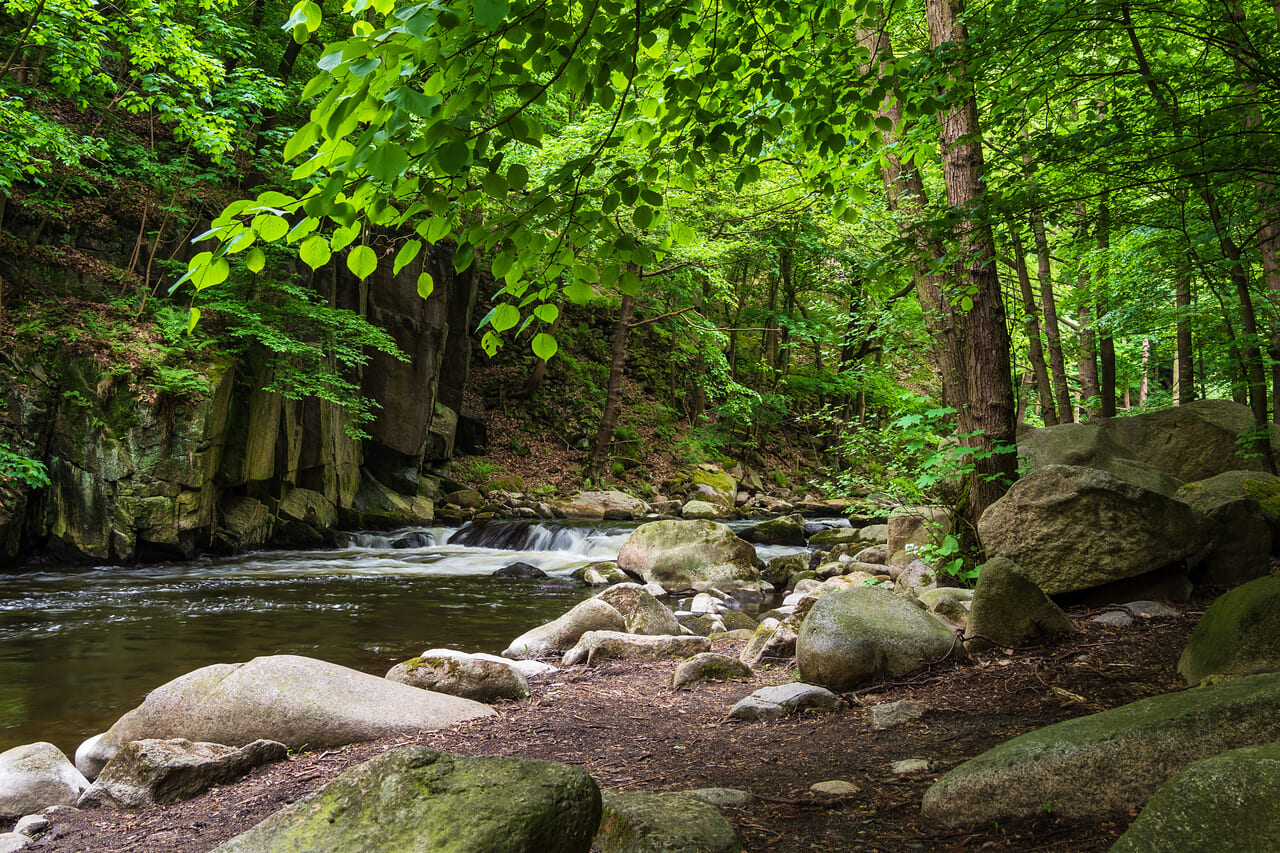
pixel 623 724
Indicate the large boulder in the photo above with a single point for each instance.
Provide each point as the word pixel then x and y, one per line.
pixel 915 526
pixel 150 771
pixel 1242 532
pixel 786 530
pixel 600 505
pixel 1124 754
pixel 1235 796
pixel 1238 635
pixel 560 634
pixel 859 635
pixel 715 487
pixel 297 701
pixel 597 646
pixel 1091 445
pixel 642 613
pixel 1009 610
pixel 689 554
pixel 414 799
pixel 460 674
pixel 668 822
pixel 1072 528
pixel 35 776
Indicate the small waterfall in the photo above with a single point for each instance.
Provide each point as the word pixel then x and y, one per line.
pixel 531 536
pixel 400 539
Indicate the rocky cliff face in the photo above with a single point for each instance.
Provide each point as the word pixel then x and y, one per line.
pixel 138 477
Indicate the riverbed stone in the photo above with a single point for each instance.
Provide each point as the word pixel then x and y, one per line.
pixel 295 700
pixel 667 822
pixel 853 636
pixel 1009 610
pixel 460 674
pixel 1048 523
pixel 915 526
pixel 709 666
pixel 1126 753
pixel 773 639
pixel 560 634
pixel 414 799
pixel 641 612
pixel 150 771
pixel 786 530
pixel 685 554
pixel 1238 635
pixel 597 646
pixel 774 703
pixel 12 842
pixel 1230 801
pixel 599 505
pixel 37 775
pixel 1241 545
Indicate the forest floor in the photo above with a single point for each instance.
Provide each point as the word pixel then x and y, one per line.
pixel 623 724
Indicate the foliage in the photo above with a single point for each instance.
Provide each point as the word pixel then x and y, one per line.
pixel 18 469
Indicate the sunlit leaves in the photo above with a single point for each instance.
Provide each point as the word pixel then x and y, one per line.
pixel 315 251
pixel 362 261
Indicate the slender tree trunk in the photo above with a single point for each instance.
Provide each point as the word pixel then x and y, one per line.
pixel 1184 365
pixel 1031 326
pixel 988 401
pixel 1106 344
pixel 1049 306
pixel 1087 344
pixel 1144 386
pixel 613 394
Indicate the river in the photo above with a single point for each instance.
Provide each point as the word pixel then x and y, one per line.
pixel 79 647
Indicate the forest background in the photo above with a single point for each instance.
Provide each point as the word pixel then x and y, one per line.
pixel 709 227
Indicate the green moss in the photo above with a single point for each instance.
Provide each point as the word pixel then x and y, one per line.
pixel 1266 493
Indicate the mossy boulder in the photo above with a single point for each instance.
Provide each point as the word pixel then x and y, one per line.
pixel 460 674
pixel 414 799
pixel 832 536
pixel 1008 609
pixel 669 822
pixel 714 486
pixel 688 554
pixel 709 666
pixel 1238 635
pixel 787 530
pixel 1107 763
pixel 1234 796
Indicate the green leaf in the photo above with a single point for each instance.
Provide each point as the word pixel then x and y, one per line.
pixel 315 251
pixel 388 163
pixel 255 261
pixel 966 303
pixel 301 141
pixel 544 346
pixel 452 157
pixel 489 13
pixel 426 284
pixel 214 273
pixel 579 292
pixel 270 227
pixel 463 257
pixel 505 316
pixel 438 229
pixel 546 312
pixel 362 262
pixel 490 343
pixel 405 256
pixel 193 317
pixel 344 237
pixel 642 217
pixel 517 176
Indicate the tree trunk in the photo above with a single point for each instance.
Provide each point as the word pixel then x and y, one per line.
pixel 1144 385
pixel 1049 306
pixel 988 405
pixel 613 394
pixel 1031 326
pixel 1106 344
pixel 1184 365
pixel 1087 344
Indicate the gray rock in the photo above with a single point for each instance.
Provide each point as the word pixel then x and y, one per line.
pixel 1124 753
pixel 721 796
pixel 36 775
pixel 91 756
pixel 875 554
pixel 696 509
pixel 671 822
pixel 702 624
pixel 32 825
pixel 689 555
pixel 1238 635
pixel 888 715
pixel 915 525
pixel 560 634
pixel 601 574
pixel 772 703
pixel 1113 619
pixel 779 570
pixel 773 639
pixel 916 578
pixel 1242 541
pixel 854 636
pixel 601 505
pixel 833 536
pixel 12 842
pixel 911 766
pixel 641 612
pixel 413 799
pixel 597 646
pixel 460 674
pixel 1148 610
pixel 1047 523
pixel 787 530
pixel 295 700
pixel 147 772
pixel 1230 801
pixel 709 666
pixel 835 788
pixel 1010 610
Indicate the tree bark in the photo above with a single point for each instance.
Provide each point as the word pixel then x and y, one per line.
pixel 1049 306
pixel 613 394
pixel 1184 364
pixel 1106 344
pixel 1031 326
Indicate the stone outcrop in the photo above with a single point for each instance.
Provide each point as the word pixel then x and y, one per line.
pixel 413 798
pixel 1125 754
pixel 1238 635
pixel 1071 528
pixel 295 700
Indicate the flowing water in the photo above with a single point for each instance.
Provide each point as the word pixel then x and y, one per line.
pixel 80 647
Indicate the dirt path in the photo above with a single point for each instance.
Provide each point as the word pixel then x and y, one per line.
pixel 624 725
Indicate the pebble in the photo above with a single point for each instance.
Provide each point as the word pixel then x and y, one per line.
pixel 32 825
pixel 834 788
pixel 722 796
pixel 910 766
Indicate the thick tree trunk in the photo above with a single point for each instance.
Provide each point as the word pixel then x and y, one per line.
pixel 988 405
pixel 1031 327
pixel 613 394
